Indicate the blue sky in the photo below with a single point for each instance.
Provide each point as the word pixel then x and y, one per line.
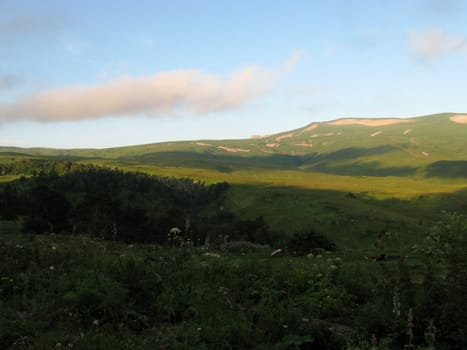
pixel 110 73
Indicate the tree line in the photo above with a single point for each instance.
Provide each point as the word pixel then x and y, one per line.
pixel 74 198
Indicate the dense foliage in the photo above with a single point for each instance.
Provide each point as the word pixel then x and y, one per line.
pixel 80 292
pixel 133 207
pixel 108 203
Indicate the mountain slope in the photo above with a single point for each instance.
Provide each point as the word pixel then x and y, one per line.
pixel 430 146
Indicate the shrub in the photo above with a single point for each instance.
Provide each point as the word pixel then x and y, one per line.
pixel 35 224
pixel 305 242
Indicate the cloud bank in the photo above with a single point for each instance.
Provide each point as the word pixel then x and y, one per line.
pixel 160 94
pixel 435 43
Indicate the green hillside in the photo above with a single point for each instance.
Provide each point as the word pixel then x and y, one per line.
pixel 345 177
pixel 429 146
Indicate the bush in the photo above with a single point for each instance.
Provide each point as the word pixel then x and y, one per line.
pixel 34 224
pixel 305 242
pixel 97 297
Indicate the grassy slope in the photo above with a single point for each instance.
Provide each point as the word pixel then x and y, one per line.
pixel 56 288
pixel 296 187
pixel 403 149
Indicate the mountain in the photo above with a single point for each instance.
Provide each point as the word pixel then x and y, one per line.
pixel 427 146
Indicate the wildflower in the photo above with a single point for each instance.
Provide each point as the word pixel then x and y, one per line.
pixel 333 267
pixel 199 329
pixel 277 251
pixel 430 334
pixel 52 268
pixel 54 247
pixel 213 255
pixel 285 326
pixel 304 319
pixel 396 302
pixel 310 255
pixel 319 256
pixel 95 323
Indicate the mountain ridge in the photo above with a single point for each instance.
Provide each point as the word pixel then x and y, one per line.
pixel 432 145
pixel 365 121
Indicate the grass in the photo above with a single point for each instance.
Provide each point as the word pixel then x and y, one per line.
pixel 90 293
pixel 383 187
pixel 75 291
pixel 95 294
pixel 8 178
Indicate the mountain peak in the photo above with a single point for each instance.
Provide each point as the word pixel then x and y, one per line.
pixel 368 121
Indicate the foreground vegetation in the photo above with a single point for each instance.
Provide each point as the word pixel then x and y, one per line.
pixel 62 291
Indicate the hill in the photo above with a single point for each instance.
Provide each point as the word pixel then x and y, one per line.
pixel 347 178
pixel 429 146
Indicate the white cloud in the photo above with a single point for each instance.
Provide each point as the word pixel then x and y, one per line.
pixel 435 43
pixel 156 95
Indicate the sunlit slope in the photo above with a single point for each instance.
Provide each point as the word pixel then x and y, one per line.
pixel 383 147
pixel 429 146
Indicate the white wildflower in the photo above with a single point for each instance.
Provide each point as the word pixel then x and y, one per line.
pixel 277 251
pixel 212 255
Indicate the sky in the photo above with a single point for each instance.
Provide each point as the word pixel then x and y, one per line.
pixel 95 74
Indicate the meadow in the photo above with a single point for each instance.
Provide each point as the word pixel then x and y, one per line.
pixel 62 291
